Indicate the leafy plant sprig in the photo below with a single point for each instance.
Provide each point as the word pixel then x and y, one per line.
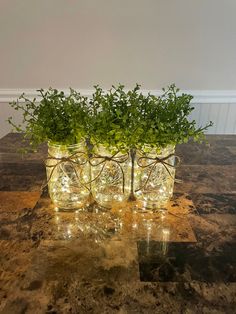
pixel 130 120
pixel 58 118
pixel 115 117
pixel 166 120
pixel 118 119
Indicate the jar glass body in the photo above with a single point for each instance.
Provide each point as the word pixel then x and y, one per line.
pixel 67 178
pixel 154 182
pixel 110 177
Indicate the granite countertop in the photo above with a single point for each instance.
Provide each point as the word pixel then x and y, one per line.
pixel 178 261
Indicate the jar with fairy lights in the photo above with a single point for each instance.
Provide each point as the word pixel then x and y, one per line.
pixel 110 176
pixel 154 182
pixel 68 176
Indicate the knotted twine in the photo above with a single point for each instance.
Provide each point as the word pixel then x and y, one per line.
pixel 119 160
pixel 154 161
pixel 74 164
pixel 104 159
pixel 71 159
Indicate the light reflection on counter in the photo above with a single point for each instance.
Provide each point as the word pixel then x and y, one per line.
pixel 100 226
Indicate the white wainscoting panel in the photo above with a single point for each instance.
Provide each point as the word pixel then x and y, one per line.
pixel 223 115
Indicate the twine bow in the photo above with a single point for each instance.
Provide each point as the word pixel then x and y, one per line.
pixel 71 159
pixel 104 159
pixel 153 163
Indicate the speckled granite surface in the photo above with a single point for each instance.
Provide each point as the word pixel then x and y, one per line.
pixel 182 261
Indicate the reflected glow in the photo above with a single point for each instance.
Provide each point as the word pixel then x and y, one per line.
pixel 165 238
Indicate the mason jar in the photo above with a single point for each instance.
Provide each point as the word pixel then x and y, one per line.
pixel 67 175
pixel 154 182
pixel 110 176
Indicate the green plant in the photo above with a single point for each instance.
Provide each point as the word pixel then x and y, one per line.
pixel 130 120
pixel 56 117
pixel 116 118
pixel 165 120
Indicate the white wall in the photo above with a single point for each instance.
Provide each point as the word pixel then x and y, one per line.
pixel 77 43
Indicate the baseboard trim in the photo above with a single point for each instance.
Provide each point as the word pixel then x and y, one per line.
pixel 200 96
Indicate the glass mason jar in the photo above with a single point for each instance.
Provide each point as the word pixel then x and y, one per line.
pixel 110 176
pixel 154 182
pixel 67 175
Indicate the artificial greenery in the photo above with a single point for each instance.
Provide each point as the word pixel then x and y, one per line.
pixel 166 120
pixel 118 119
pixel 56 117
pixel 130 120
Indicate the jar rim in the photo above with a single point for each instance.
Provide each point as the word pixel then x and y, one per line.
pixel 108 150
pixel 50 144
pixel 153 150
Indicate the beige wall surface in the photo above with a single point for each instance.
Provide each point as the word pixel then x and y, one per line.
pixel 80 43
